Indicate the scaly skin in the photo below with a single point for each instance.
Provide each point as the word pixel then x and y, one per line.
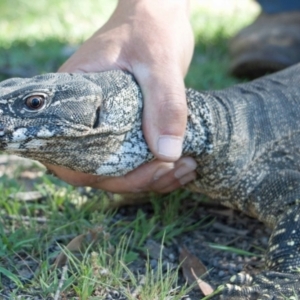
pixel 245 139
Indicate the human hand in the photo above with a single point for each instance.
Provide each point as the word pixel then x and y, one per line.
pixel 153 40
pixel 157 176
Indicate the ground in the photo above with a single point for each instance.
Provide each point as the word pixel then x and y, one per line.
pixel 121 253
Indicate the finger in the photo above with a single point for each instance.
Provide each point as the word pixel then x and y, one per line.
pixel 178 184
pixel 165 110
pixel 183 172
pixel 135 181
pixel 169 184
pixel 155 176
pixel 138 180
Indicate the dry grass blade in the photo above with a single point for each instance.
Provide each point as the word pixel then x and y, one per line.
pixel 205 287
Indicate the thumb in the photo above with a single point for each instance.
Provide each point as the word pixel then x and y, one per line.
pixel 165 112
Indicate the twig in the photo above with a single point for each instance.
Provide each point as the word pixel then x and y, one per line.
pixel 61 282
pixel 26 218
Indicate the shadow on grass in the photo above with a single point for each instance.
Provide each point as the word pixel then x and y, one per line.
pixel 208 70
pixel 26 59
pixel 210 65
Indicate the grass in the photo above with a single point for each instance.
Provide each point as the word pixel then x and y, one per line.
pixel 37 38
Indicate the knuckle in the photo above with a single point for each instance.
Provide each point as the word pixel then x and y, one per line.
pixel 172 106
pixel 172 116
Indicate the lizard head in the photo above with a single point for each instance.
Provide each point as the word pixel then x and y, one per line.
pixel 62 118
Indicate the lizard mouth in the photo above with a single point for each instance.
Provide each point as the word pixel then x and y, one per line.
pixel 4 132
pixel 97 118
pixel 3 142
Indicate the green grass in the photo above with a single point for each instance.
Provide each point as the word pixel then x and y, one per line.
pixel 36 38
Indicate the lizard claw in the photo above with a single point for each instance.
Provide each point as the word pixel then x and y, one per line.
pixel 268 285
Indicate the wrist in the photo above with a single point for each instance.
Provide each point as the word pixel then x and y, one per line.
pixel 139 6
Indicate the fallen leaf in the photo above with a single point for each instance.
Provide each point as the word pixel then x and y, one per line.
pixel 192 269
pixel 77 244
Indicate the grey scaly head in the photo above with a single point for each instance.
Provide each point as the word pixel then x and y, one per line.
pixel 86 122
pixel 54 118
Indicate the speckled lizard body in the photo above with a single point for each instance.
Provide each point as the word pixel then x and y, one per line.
pixel 245 139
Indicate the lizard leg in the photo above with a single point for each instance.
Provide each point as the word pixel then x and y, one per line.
pixel 281 279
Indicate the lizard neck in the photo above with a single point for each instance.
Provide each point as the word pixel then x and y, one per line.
pixel 209 138
pixel 199 137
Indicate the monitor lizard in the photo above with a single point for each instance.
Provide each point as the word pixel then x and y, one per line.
pixel 245 139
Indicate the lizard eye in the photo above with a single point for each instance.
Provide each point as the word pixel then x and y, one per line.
pixel 35 102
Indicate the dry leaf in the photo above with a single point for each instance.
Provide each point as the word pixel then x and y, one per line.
pixel 77 244
pixel 192 269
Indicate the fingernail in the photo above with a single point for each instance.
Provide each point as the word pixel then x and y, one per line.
pixel 170 146
pixel 162 171
pixel 183 170
pixel 188 178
